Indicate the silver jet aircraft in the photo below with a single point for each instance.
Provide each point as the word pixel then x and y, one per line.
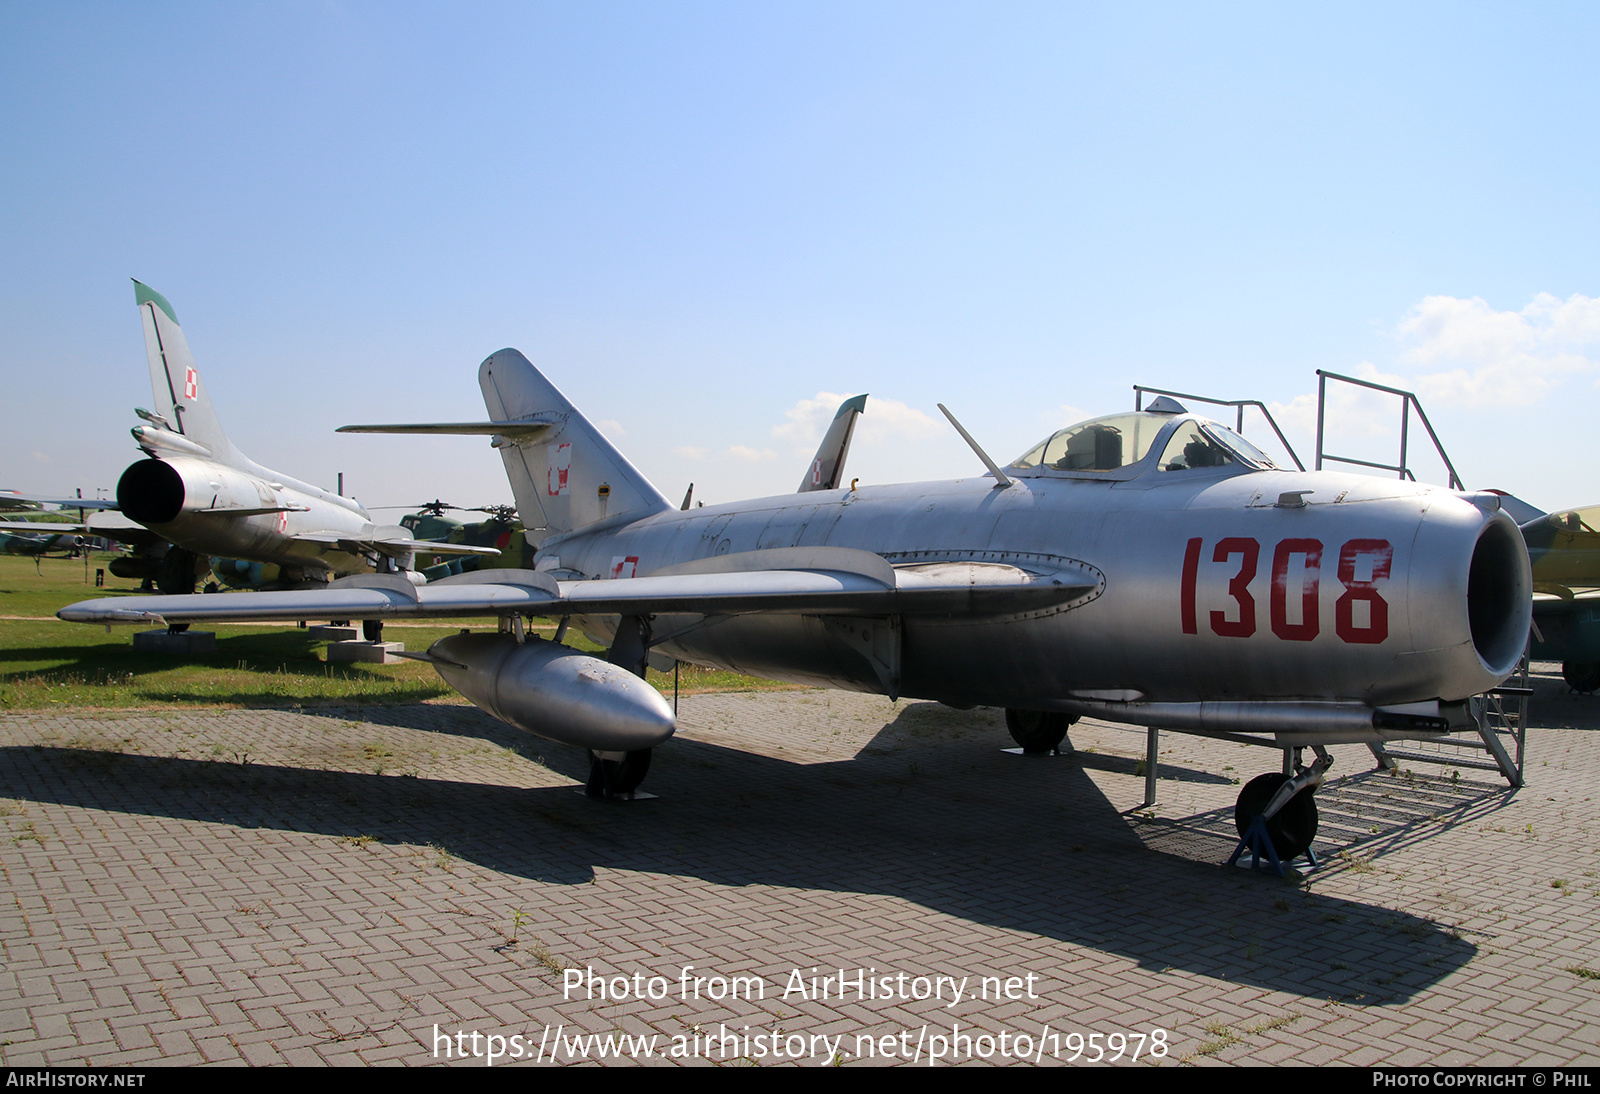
pixel 1151 568
pixel 198 491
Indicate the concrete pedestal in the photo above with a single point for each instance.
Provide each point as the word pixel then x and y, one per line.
pixel 184 643
pixel 374 653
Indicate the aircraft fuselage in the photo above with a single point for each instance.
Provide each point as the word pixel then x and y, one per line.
pixel 1373 592
pixel 197 503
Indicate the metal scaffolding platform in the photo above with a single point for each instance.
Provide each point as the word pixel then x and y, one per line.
pixel 1501 734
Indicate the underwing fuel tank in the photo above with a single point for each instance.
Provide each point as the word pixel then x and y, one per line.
pixel 555 691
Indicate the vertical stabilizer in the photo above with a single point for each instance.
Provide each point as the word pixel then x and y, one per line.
pixel 569 476
pixel 180 396
pixel 827 468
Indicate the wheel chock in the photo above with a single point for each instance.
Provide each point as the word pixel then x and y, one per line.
pixel 1259 844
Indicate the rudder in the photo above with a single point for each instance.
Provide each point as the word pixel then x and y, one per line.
pixel 180 395
pixel 827 467
pixel 569 476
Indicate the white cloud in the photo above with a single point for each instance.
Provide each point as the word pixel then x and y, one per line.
pixel 808 418
pixel 1351 410
pixel 1501 358
pixel 738 453
pixel 1298 415
pixel 1064 415
pixel 1455 354
pixel 887 420
pixel 611 428
pixel 883 421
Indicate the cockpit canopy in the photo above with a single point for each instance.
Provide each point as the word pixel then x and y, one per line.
pixel 1118 441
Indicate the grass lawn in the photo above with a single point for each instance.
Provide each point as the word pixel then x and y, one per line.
pixel 46 663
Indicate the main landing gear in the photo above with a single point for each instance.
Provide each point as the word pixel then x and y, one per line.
pixel 1276 814
pixel 616 774
pixel 1581 676
pixel 1038 731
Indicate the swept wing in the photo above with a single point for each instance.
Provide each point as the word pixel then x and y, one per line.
pixel 794 581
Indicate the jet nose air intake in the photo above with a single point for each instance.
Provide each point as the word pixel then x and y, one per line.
pixel 1499 596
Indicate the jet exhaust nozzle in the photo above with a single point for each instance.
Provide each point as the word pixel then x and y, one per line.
pixel 555 691
pixel 152 492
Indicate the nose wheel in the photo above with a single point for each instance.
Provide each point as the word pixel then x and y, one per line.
pixel 1276 815
pixel 617 774
pixel 1291 828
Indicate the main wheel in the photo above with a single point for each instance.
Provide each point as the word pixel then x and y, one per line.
pixel 179 571
pixel 1038 730
pixel 372 630
pixel 1292 828
pixel 1581 676
pixel 613 778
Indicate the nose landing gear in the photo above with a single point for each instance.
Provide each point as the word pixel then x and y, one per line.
pixel 1276 815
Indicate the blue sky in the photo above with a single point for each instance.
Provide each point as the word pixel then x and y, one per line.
pixel 707 222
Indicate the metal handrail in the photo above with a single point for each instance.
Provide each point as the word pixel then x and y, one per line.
pixel 1407 401
pixel 1139 392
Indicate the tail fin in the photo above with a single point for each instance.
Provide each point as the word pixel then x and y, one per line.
pixel 181 399
pixel 827 469
pixel 566 477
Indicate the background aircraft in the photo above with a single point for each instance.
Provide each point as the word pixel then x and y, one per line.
pixel 1152 568
pixel 1565 550
pixel 45 532
pixel 16 538
pixel 205 497
pixel 502 531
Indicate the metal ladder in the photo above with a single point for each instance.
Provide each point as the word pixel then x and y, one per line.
pixel 1501 715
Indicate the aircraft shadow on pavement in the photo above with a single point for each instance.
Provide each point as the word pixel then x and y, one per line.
pixel 947 822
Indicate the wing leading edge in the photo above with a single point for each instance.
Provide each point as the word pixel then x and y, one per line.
pixel 966 589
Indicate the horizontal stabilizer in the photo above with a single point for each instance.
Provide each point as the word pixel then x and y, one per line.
pixel 519 431
pixel 41 528
pixel 10 499
pixel 256 511
pixel 428 547
pixel 393 546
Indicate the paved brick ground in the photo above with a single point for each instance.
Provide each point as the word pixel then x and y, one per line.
pixel 197 886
